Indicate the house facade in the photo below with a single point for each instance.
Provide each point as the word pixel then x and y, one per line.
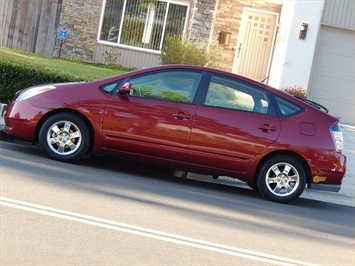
pixel 280 42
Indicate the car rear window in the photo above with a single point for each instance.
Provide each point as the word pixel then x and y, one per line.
pixel 234 94
pixel 287 108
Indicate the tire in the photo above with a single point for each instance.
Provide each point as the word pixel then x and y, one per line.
pixel 281 179
pixel 253 186
pixel 64 137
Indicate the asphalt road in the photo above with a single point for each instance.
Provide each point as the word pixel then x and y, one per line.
pixel 111 212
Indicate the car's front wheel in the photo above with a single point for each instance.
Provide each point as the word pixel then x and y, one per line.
pixel 281 179
pixel 64 137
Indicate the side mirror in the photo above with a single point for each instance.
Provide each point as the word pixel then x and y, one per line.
pixel 125 88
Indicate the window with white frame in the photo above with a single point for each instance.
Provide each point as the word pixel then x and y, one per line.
pixel 142 23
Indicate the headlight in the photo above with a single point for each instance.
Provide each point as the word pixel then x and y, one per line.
pixel 26 94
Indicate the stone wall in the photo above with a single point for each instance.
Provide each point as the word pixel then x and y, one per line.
pixel 202 17
pixel 208 18
pixel 81 18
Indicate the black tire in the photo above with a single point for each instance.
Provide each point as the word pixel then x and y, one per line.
pixel 64 137
pixel 281 179
pixel 253 185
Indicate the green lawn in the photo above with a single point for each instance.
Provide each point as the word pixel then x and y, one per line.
pixel 64 66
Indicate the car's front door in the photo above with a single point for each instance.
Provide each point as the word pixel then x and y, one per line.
pixel 155 118
pixel 232 126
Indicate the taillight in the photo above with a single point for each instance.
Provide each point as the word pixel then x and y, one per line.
pixel 337 136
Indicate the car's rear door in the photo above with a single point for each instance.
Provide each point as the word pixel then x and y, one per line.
pixel 155 119
pixel 232 125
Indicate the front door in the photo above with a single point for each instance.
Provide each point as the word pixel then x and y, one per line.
pixel 155 119
pixel 254 47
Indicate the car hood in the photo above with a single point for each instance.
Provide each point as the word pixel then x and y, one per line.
pixel 38 89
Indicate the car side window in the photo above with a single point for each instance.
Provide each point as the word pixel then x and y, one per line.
pixel 233 94
pixel 287 108
pixel 110 87
pixel 175 85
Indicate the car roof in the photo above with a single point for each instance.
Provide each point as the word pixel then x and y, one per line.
pixel 188 67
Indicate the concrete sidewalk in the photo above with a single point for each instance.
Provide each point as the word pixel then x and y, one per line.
pixel 346 195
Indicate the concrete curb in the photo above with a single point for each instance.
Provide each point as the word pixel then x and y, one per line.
pixel 340 198
pixel 347 126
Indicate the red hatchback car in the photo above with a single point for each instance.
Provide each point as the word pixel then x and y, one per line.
pixel 192 118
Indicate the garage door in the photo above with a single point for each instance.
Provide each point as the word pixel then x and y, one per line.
pixel 333 80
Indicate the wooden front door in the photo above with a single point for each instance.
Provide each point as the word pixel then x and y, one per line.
pixel 254 47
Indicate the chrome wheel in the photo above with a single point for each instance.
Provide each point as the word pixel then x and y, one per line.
pixel 64 138
pixel 282 179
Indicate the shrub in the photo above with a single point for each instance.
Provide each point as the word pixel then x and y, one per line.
pixel 176 50
pixel 297 91
pixel 15 76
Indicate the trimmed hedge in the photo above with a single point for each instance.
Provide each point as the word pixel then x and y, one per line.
pixel 15 76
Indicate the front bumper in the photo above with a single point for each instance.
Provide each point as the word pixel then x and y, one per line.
pixel 2 114
pixel 21 119
pixel 2 109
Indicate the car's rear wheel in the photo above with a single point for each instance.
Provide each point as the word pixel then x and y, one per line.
pixel 281 179
pixel 64 137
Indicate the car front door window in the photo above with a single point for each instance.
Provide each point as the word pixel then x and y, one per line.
pixel 177 86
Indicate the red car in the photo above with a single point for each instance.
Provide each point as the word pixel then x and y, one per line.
pixel 192 118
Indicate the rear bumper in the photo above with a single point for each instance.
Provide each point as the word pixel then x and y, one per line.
pixel 328 169
pixel 324 187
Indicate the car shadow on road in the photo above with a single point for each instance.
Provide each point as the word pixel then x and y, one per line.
pixel 149 185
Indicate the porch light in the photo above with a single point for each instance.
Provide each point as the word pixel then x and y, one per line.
pixel 224 38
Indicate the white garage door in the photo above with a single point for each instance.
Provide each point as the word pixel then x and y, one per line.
pixel 333 80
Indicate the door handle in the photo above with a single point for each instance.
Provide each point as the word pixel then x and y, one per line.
pixel 267 128
pixel 181 116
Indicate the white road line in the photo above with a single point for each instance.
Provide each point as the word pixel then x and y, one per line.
pixel 145 232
